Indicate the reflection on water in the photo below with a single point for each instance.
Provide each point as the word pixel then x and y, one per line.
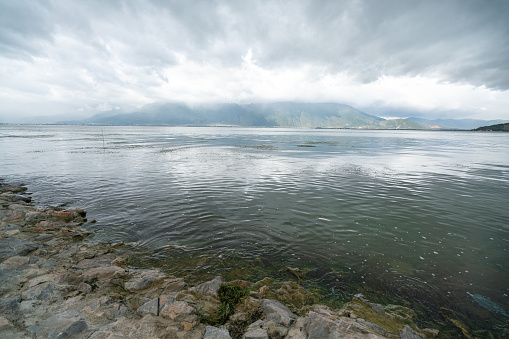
pixel 419 216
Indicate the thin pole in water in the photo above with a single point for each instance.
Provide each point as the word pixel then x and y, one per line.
pixel 103 139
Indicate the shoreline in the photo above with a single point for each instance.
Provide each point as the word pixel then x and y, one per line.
pixel 53 284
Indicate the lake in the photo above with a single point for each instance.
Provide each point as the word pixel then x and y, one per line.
pixel 419 218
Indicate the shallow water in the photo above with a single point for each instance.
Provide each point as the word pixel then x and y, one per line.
pixel 419 216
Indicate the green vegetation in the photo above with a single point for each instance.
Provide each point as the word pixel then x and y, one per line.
pixel 229 295
pixel 494 128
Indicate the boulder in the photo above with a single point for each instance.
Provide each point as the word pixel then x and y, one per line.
pixel 318 326
pixel 144 280
pixel 61 325
pixel 277 312
pixel 209 287
pixel 259 333
pixel 212 332
pixel 16 247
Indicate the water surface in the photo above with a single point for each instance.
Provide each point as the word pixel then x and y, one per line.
pixel 410 216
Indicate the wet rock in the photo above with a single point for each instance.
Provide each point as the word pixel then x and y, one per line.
pixel 259 333
pixel 146 279
pixel 16 247
pixel 209 287
pixel 62 325
pixel 293 294
pixel 277 312
pixel 212 332
pixel 430 333
pixel 408 333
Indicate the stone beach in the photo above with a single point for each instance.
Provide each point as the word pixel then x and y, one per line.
pixel 53 284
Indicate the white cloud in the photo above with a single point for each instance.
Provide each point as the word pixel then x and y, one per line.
pixel 387 59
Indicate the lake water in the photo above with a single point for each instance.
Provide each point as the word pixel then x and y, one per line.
pixel 415 217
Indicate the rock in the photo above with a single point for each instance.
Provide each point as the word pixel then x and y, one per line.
pixel 16 247
pixel 40 292
pixel 430 332
pixel 84 288
pixel 103 273
pixel 176 309
pixel 176 285
pixel 150 307
pixel 318 326
pixel 293 294
pixel 408 333
pixel 10 305
pixel 5 324
pixel 212 332
pixel 102 260
pixel 146 279
pixel 259 333
pixel 277 312
pixel 209 287
pixel 129 328
pixel 62 325
pixel 297 330
pixel 12 268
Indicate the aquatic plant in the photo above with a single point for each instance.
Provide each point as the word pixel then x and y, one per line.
pixel 229 295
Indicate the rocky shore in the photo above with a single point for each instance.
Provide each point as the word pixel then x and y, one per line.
pixel 53 284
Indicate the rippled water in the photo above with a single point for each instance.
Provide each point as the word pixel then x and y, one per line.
pixel 418 216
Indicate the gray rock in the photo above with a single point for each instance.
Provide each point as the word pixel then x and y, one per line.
pixel 144 280
pixel 408 333
pixel 209 287
pixel 63 325
pixel 277 312
pixel 10 305
pixel 16 247
pixel 9 227
pixel 44 291
pixel 377 308
pixel 17 197
pixel 212 332
pixel 150 307
pixel 12 267
pixel 5 323
pixel 259 333
pixel 318 326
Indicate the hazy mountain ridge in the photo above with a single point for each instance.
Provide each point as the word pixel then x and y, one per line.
pixel 277 114
pixel 466 124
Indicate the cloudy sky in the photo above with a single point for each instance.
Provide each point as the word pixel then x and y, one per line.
pixel 432 58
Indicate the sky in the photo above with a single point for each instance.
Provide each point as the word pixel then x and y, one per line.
pixel 391 58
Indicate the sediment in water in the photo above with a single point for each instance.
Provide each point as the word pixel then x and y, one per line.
pixel 54 284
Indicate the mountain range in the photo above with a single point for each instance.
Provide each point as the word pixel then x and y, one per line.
pixel 278 114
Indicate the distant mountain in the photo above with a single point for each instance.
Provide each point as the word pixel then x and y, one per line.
pixel 497 128
pixel 466 124
pixel 280 114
